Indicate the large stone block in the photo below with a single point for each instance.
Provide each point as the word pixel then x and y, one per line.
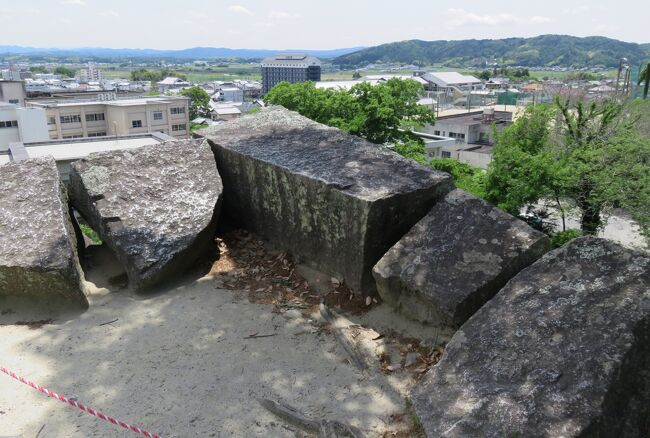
pixel 455 259
pixel 332 199
pixel 562 351
pixel 38 255
pixel 156 207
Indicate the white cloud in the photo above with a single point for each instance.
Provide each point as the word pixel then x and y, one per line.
pixel 109 13
pixel 284 15
pixel 239 9
pixel 538 19
pixel 461 17
pixel 74 2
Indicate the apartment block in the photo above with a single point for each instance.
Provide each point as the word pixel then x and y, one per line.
pixel 293 68
pixel 90 73
pixel 100 118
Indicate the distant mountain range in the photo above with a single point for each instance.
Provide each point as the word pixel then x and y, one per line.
pixel 544 50
pixel 192 53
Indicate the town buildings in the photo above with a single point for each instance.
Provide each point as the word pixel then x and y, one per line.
pixel 101 118
pixel 465 137
pixel 90 73
pixel 172 83
pixel 289 67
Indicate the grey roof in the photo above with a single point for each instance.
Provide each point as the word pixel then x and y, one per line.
pixel 290 60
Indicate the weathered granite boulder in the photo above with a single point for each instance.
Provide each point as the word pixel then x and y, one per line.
pixel 334 200
pixel 156 207
pixel 562 351
pixel 38 255
pixel 455 259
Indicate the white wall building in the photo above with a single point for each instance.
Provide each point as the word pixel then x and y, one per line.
pixel 18 124
pixel 13 92
pixel 101 118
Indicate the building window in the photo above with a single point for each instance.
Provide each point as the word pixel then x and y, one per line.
pixel 445 154
pixel 136 123
pixel 181 127
pixel 436 132
pixel 157 115
pixel 51 120
pixel 14 101
pixel 96 134
pixel 9 124
pixel 96 117
pixel 178 110
pixel 74 118
pixel 67 137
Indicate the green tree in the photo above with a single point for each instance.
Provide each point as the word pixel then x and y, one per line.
pixel 484 75
pixel 38 69
pixel 586 155
pixel 199 101
pixel 522 169
pixel 64 71
pixel 644 78
pixel 375 112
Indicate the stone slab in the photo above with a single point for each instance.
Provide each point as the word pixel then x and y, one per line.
pixel 38 255
pixel 334 200
pixel 562 351
pixel 156 207
pixel 455 259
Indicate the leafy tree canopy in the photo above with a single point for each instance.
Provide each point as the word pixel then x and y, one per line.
pixel 199 101
pixel 64 71
pixel 375 112
pixel 588 156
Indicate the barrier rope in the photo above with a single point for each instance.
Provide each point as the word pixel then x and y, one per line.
pixel 81 406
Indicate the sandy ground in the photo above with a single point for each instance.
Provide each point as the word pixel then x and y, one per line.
pixel 178 363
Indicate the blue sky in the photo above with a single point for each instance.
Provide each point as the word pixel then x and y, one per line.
pixel 280 24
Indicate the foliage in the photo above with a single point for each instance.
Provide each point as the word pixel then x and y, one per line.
pixel 375 112
pixel 199 101
pixel 91 234
pixel 38 69
pixel 485 75
pixel 64 71
pixel 522 169
pixel 644 78
pixel 143 74
pixel 413 150
pixel 195 127
pixel 467 177
pixel 544 50
pixel 563 237
pixel 586 155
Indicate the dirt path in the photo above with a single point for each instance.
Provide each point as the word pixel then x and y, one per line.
pixel 183 363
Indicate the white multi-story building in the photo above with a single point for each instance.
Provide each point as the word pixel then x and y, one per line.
pixel 106 117
pixel 19 124
pixel 90 73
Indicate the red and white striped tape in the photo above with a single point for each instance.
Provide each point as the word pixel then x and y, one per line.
pixel 81 406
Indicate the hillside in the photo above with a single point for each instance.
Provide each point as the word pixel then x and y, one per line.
pixel 544 50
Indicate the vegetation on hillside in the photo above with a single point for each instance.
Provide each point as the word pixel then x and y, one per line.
pixel 544 50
